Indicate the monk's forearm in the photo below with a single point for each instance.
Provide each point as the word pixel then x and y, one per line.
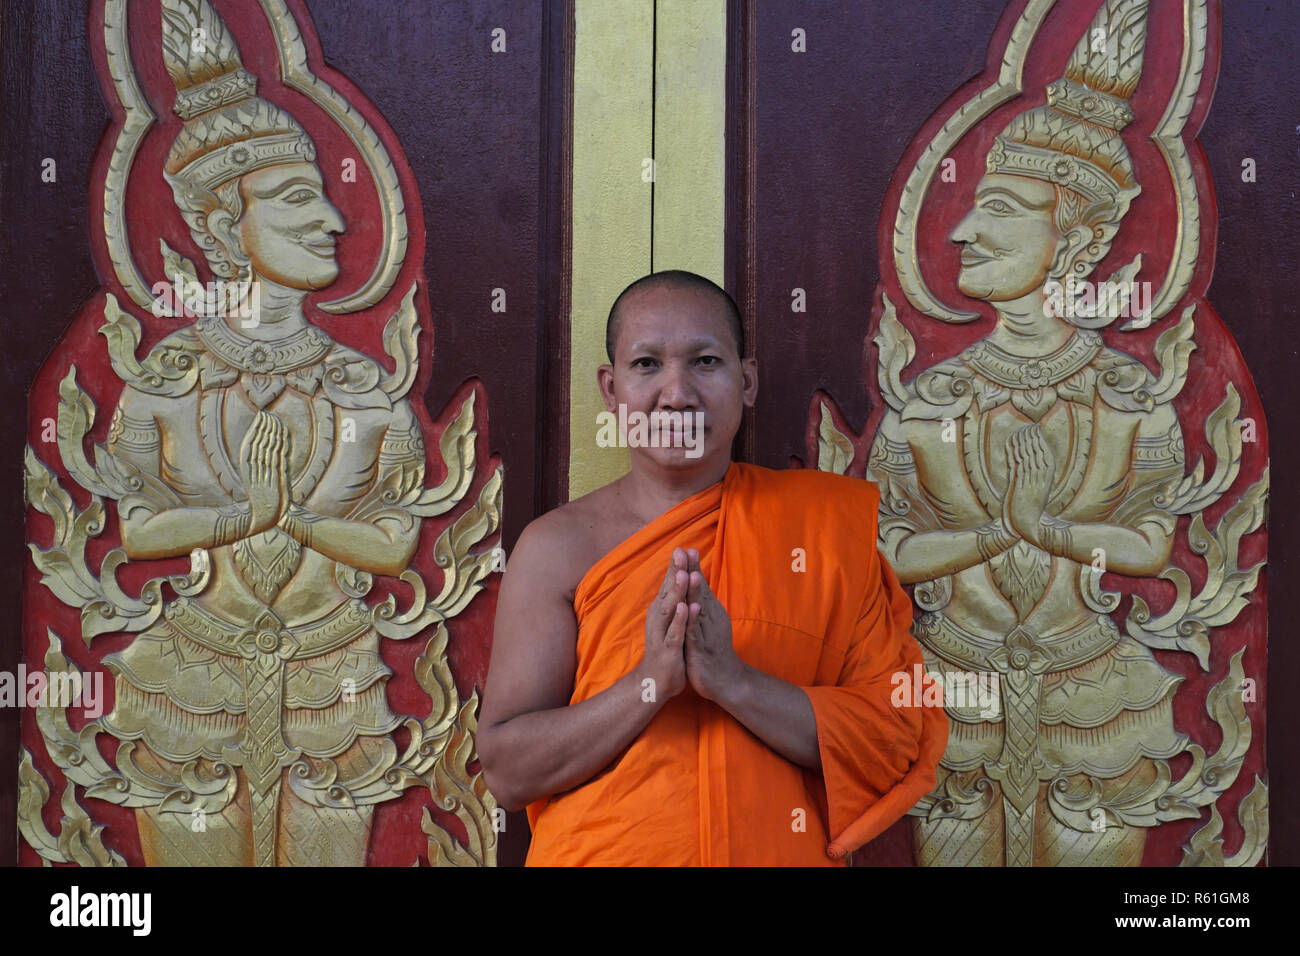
pixel 545 752
pixel 777 713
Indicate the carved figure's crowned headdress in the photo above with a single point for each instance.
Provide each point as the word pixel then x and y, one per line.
pixel 1074 141
pixel 229 130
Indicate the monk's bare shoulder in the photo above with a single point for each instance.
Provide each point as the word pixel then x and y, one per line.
pixel 562 545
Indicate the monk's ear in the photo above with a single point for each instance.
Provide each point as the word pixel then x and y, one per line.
pixel 605 379
pixel 749 375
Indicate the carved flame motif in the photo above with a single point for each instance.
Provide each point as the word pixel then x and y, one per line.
pixel 1015 473
pixel 291 469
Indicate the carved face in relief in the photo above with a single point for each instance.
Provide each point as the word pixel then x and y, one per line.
pixel 1009 239
pixel 287 227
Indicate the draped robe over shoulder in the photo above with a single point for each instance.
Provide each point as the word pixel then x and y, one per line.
pixel 696 787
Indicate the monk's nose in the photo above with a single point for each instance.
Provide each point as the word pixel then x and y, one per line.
pixel 676 390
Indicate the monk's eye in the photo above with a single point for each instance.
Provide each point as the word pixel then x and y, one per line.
pixel 709 360
pixel 644 361
pixel 998 207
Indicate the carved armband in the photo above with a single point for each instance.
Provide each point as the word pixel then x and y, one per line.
pixel 298 521
pixel 893 458
pixel 138 436
pixel 1055 535
pixel 991 538
pixel 401 445
pixel 1159 453
pixel 233 522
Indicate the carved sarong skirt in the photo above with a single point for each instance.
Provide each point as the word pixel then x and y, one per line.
pixel 183 686
pixel 1105 702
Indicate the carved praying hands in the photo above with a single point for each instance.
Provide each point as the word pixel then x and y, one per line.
pixel 263 458
pixel 1031 471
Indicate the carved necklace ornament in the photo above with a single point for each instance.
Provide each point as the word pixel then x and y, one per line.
pixel 1025 372
pixel 250 705
pixel 304 347
pixel 1013 480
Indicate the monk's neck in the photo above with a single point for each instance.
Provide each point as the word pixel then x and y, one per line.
pixel 648 496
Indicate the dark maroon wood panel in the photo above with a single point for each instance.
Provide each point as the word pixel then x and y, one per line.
pixel 51 108
pixel 1256 291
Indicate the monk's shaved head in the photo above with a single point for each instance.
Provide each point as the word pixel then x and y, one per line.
pixel 673 279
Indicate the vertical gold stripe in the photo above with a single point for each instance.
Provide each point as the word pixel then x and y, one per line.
pixel 613 86
pixel 690 136
pixel 634 65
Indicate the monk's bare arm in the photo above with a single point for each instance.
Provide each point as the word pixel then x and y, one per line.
pixel 531 741
pixel 777 713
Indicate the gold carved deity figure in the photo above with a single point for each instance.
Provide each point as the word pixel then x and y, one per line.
pixel 1014 474
pixel 291 469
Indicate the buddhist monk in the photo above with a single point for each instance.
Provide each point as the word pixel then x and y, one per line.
pixel 698 663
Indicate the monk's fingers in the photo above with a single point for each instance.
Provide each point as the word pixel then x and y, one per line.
pixel 715 623
pixel 666 589
pixel 693 632
pixel 676 593
pixel 708 600
pixel 692 559
pixel 676 635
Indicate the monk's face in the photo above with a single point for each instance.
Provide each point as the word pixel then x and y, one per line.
pixel 288 226
pixel 675 353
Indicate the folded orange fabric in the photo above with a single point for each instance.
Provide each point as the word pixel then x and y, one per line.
pixel 792 557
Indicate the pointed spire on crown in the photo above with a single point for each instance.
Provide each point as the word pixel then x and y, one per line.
pixel 1074 140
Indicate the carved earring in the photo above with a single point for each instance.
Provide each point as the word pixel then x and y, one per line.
pixel 1067 248
pixel 223 229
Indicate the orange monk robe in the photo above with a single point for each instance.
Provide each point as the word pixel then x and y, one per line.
pixel 696 787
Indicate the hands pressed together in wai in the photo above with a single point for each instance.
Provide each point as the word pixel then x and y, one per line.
pixel 688 635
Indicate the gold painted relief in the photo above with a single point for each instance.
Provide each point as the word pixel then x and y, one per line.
pixel 1013 473
pixel 291 470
